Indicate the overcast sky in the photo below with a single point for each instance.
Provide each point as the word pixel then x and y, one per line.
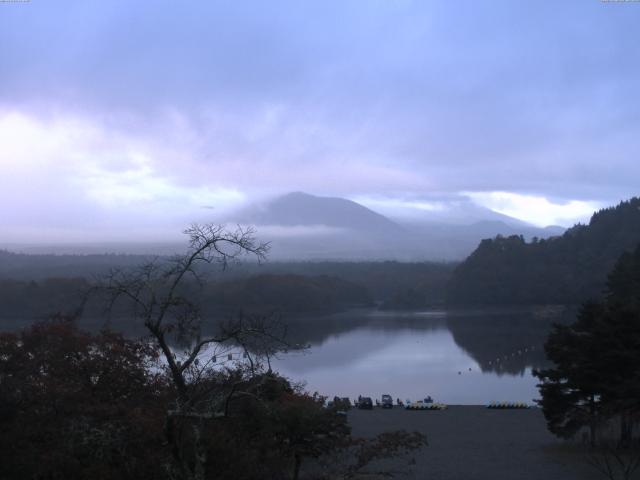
pixel 129 117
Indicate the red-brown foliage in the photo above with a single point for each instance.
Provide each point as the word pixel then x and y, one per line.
pixel 77 405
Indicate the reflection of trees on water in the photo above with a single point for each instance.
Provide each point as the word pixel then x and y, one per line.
pixel 506 342
pixel 342 340
pixel 500 341
pixel 316 330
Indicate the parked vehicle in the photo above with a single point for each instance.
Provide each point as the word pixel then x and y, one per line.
pixel 342 404
pixel 387 401
pixel 365 403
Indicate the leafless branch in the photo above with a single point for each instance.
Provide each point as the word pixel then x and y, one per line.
pixel 613 462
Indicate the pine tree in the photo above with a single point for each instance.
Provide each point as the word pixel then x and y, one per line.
pixel 572 390
pixel 596 373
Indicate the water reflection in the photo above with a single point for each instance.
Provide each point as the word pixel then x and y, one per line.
pixel 506 341
pixel 456 357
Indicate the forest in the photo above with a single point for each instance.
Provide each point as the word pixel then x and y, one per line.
pixel 568 269
pixel 34 286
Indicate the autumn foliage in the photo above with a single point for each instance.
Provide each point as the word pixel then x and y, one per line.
pixel 77 405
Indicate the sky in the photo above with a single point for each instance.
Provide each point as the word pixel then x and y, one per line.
pixel 125 119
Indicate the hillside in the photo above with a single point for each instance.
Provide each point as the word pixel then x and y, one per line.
pixel 285 293
pixel 298 208
pixel 34 286
pixel 301 226
pixel 567 269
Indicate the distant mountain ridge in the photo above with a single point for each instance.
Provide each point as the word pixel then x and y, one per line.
pixel 305 227
pixel 455 212
pixel 565 270
pixel 294 224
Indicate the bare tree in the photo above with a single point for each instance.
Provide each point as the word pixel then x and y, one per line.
pixel 159 296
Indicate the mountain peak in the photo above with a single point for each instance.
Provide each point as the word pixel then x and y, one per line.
pixel 303 225
pixel 300 208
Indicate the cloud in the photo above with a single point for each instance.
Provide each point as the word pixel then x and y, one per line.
pixel 408 208
pixel 140 185
pixel 70 172
pixel 117 112
pixel 535 209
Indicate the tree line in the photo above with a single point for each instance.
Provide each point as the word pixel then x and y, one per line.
pixel 569 269
pixel 28 300
pixel 33 286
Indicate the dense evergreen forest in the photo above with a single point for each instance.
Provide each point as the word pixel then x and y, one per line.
pixel 28 300
pixel 388 281
pixel 35 286
pixel 568 269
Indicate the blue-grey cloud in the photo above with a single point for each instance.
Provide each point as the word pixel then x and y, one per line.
pixel 344 97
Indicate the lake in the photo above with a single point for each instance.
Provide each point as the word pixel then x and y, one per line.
pixel 456 357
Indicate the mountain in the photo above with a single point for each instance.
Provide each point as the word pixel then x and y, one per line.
pixel 301 226
pixel 302 209
pixel 304 226
pixel 568 269
pixel 458 211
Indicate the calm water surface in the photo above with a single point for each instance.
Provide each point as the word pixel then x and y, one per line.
pixel 455 357
pixel 464 357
